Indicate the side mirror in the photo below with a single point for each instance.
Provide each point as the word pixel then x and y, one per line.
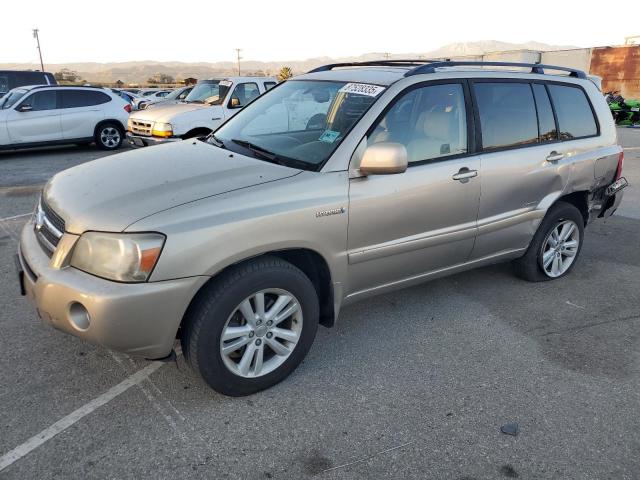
pixel 384 159
pixel 25 108
pixel 235 103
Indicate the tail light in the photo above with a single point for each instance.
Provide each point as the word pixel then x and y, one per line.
pixel 619 169
pixel 127 108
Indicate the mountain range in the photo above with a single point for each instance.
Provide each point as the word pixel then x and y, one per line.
pixel 140 71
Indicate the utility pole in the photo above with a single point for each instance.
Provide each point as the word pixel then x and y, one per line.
pixel 238 50
pixel 35 35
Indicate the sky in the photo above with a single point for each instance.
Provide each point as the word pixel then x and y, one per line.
pixel 209 31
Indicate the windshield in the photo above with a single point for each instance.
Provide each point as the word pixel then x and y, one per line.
pixel 11 98
pixel 300 122
pixel 211 92
pixel 172 95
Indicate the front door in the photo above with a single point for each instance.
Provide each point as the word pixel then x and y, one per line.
pixel 406 225
pixel 35 119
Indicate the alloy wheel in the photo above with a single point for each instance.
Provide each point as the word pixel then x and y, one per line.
pixel 261 333
pixel 110 137
pixel 560 248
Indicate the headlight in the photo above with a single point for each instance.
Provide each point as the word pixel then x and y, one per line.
pixel 162 130
pixel 129 124
pixel 123 257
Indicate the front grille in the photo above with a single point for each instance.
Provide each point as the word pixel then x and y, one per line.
pixel 49 227
pixel 139 127
pixel 55 219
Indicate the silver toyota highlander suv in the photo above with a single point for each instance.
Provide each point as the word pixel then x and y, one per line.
pixel 345 182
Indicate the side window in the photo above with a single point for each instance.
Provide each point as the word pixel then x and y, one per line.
pixel 83 98
pixel 243 94
pixel 546 121
pixel 575 118
pixel 39 101
pixel 431 122
pixel 269 85
pixel 507 114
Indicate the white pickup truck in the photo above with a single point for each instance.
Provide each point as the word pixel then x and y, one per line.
pixel 209 104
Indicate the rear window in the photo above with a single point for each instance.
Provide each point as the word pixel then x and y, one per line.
pixel 83 98
pixel 507 114
pixel 575 117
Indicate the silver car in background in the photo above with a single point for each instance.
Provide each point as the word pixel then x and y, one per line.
pixel 343 183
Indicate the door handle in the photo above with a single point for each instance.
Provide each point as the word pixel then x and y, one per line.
pixel 464 174
pixel 555 156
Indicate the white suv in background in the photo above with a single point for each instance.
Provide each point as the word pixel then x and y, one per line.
pixel 210 103
pixel 47 115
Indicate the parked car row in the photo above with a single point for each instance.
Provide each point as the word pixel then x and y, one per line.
pixel 38 115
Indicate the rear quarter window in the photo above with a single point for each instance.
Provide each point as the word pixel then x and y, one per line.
pixel 83 98
pixel 575 117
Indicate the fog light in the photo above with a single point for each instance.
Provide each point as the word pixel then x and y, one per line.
pixel 79 316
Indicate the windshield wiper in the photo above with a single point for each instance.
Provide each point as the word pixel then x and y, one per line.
pixel 272 157
pixel 258 150
pixel 216 141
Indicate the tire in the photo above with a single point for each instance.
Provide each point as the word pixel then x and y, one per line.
pixel 531 266
pixel 219 308
pixel 109 136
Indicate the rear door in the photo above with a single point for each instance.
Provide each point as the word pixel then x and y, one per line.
pixel 406 225
pixel 81 111
pixel 525 165
pixel 35 118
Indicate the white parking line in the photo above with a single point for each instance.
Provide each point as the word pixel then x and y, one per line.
pixel 15 217
pixel 64 423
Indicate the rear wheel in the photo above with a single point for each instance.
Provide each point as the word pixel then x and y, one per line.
pixel 251 327
pixel 555 247
pixel 108 136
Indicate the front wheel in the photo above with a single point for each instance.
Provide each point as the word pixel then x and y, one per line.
pixel 555 247
pixel 251 327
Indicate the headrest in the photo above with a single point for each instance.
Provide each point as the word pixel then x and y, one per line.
pixel 436 125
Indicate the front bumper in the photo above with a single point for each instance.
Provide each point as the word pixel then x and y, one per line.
pixel 138 141
pixel 135 318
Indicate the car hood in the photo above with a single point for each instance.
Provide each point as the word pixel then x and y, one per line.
pixel 165 113
pixel 113 192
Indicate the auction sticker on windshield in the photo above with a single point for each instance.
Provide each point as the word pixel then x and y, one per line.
pixel 362 89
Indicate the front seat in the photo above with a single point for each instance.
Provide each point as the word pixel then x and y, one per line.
pixel 435 137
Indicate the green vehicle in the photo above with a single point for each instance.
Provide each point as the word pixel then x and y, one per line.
pixel 625 112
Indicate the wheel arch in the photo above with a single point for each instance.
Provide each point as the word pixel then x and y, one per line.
pixel 580 200
pixel 118 123
pixel 310 262
pixel 196 132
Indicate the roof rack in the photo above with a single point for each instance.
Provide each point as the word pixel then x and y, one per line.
pixel 66 86
pixel 411 62
pixel 430 67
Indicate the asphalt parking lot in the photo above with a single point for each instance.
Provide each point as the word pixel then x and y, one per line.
pixel 414 384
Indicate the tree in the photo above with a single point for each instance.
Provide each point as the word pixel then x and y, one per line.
pixel 284 74
pixel 67 76
pixel 161 78
pixel 119 84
